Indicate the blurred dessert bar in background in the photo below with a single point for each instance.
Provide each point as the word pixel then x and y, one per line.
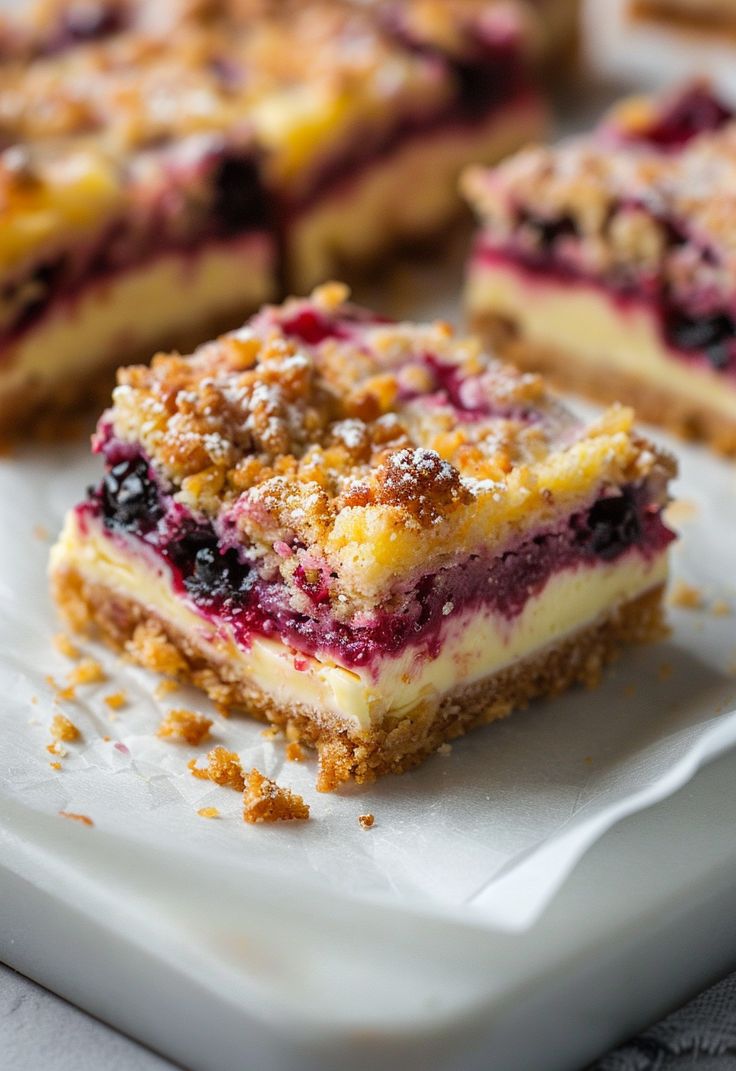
pixel 609 262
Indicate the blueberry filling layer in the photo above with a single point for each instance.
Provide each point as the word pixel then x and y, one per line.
pixel 224 586
pixel 704 337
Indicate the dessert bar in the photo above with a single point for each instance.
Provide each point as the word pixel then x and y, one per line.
pixel 609 262
pixel 165 168
pixel 371 533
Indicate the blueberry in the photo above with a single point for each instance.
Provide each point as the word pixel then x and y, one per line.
pixel 239 202
pixel 130 499
pixel 614 525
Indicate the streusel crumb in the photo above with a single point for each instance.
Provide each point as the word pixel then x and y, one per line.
pixel 64 646
pixel 62 729
pixel 185 725
pixel 223 767
pixel 366 820
pixel 686 596
pixel 208 812
pixel 265 801
pixel 115 700
pixel 295 752
pixel 84 819
pixel 88 671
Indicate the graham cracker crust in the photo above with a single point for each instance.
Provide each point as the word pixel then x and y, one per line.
pixel 655 405
pixel 346 754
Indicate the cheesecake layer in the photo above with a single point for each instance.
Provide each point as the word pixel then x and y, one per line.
pixel 389 201
pixel 604 332
pixel 472 646
pixel 175 300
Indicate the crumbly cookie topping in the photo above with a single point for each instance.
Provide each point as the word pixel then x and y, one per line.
pixel 616 204
pixel 345 452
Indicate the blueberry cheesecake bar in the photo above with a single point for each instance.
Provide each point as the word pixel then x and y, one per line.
pixel 166 168
pixel 372 533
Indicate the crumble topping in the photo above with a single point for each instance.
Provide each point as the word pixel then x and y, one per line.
pixel 185 725
pixel 223 767
pixel 63 730
pixel 366 820
pixel 343 452
pixel 619 202
pixel 265 801
pixel 87 671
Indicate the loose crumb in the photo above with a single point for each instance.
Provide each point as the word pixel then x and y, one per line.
pixel 444 749
pixel 223 767
pixel 41 532
pixel 185 725
pixel 63 729
pixel 88 671
pixel 366 820
pixel 208 812
pixel 295 752
pixel 64 646
pixel 686 596
pixel 223 710
pixel 720 608
pixel 83 818
pixel 265 801
pixel 165 687
pixel 62 692
pixel 55 765
pixel 271 732
pixel 115 700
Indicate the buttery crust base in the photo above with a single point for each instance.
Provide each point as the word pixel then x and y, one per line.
pixel 656 405
pixel 344 755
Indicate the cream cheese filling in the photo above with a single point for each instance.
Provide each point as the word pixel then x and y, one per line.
pixel 408 194
pixel 475 644
pixel 579 319
pixel 139 309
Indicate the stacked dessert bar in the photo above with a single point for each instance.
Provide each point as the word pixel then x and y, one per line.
pixel 371 533
pixel 610 261
pixel 167 167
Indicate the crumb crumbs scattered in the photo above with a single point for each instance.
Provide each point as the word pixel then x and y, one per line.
pixel 686 596
pixel 107 739
pixel 223 710
pixel 444 749
pixel 63 729
pixel 41 532
pixel 366 820
pixel 185 725
pixel 665 671
pixel 88 671
pixel 83 818
pixel 721 608
pixel 208 812
pixel 64 646
pixel 115 700
pixel 295 752
pixel 265 801
pixel 62 692
pixel 271 732
pixel 56 749
pixel 223 767
pixel 34 699
pixel 55 765
pixel 165 687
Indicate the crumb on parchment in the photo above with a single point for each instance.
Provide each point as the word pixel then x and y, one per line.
pixel 63 729
pixel 165 687
pixel 295 752
pixel 185 725
pixel 88 671
pixel 366 820
pixel 84 819
pixel 223 767
pixel 265 801
pixel 208 812
pixel 64 646
pixel 686 596
pixel 115 700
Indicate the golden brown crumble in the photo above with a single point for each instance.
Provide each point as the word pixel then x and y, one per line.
pixel 223 767
pixel 366 820
pixel 185 725
pixel 295 752
pixel 265 801
pixel 350 461
pixel 55 765
pixel 88 671
pixel 83 819
pixel 686 596
pixel 63 729
pixel 64 646
pixel 115 700
pixel 208 812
